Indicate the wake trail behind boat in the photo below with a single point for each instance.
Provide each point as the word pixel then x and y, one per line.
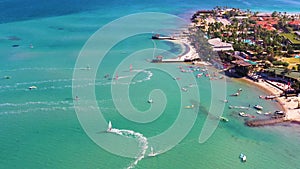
pixel 143 141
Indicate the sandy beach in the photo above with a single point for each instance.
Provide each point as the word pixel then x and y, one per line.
pixel 288 105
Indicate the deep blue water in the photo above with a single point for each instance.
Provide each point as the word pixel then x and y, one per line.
pixel 16 10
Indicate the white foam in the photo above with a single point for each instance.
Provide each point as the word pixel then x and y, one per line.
pixel 143 143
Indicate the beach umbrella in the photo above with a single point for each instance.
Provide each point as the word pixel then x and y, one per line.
pixel 297 56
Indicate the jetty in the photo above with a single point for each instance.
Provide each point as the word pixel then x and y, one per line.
pixel 188 53
pixel 159 37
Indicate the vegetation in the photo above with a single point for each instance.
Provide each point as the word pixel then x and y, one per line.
pixel 292 37
pixel 262 38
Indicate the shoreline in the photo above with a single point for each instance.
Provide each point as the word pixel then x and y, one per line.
pixel 265 89
pixel 289 106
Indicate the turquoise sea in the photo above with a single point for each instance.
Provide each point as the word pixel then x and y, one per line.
pixel 40 42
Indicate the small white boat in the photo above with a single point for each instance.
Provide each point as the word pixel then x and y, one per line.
pixel 189 107
pixel 152 153
pixel 235 94
pixel 268 113
pixel 32 87
pixel 184 89
pixel 243 157
pixel 243 114
pixel 259 112
pixel 109 126
pixel 258 107
pixel 240 89
pixel 223 119
pixel 150 101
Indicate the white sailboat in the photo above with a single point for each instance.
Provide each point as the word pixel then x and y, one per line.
pixel 109 126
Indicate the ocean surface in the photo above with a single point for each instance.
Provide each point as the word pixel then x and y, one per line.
pixel 40 42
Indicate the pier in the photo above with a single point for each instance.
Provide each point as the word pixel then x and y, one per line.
pixel 159 37
pixel 188 54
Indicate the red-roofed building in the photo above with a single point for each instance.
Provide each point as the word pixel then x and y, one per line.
pixel 295 24
pixel 266 22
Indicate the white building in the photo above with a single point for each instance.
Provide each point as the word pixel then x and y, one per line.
pixel 218 45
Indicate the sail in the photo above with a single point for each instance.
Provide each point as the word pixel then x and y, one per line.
pixel 109 126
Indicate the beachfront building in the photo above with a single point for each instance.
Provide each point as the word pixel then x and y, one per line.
pixel 218 45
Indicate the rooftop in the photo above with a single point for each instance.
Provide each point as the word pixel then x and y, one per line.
pixel 218 45
pixel 295 22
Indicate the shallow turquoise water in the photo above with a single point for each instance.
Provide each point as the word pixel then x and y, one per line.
pixel 40 129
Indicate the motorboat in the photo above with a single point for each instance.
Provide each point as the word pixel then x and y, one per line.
pixel 150 101
pixel 259 112
pixel 243 114
pixel 243 157
pixel 270 97
pixel 152 153
pixel 258 107
pixel 235 94
pixel 32 87
pixel 184 89
pixel 189 107
pixel 223 119
pixel 268 113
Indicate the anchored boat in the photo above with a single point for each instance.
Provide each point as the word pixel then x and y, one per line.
pixel 258 107
pixel 243 157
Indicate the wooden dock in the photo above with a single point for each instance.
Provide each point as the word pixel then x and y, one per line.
pixel 264 122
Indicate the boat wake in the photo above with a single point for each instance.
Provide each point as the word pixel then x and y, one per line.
pixel 60 84
pixel 142 140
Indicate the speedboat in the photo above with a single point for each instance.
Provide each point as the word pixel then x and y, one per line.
pixel 152 154
pixel 184 89
pixel 223 118
pixel 243 114
pixel 267 113
pixel 259 112
pixel 235 94
pixel 32 87
pixel 243 157
pixel 258 107
pixel 150 101
pixel 189 107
